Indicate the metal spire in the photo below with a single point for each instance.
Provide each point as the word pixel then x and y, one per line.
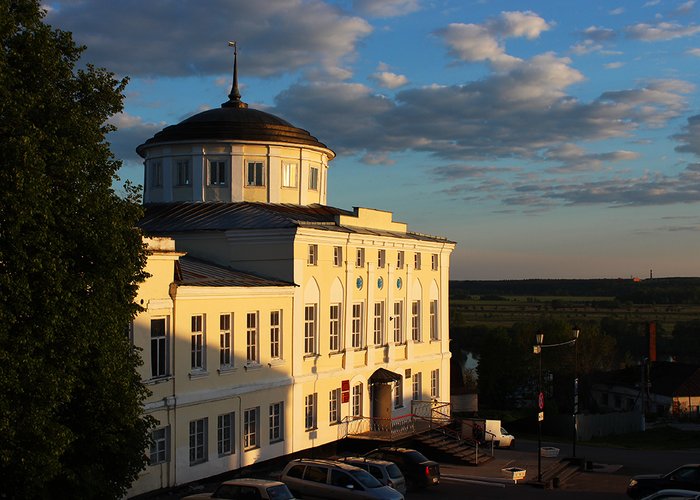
pixel 234 98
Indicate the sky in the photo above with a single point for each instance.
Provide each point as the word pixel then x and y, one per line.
pixel 548 139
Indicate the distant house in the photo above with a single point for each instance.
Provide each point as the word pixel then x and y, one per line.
pixel 663 388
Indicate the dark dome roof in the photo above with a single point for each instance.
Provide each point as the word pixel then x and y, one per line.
pixel 233 123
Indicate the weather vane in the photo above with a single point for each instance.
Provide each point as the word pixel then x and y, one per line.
pixel 235 95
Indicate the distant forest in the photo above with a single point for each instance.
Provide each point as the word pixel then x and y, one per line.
pixel 648 291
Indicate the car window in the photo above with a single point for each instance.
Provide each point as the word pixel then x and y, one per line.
pixel 365 478
pixel 249 493
pixel 227 491
pixel 279 492
pixel 316 473
pixel 296 471
pixel 416 456
pixel 376 472
pixel 342 480
pixel 394 471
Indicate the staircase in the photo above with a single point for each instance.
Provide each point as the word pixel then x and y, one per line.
pixel 448 443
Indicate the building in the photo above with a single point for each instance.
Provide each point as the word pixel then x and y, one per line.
pixel 272 322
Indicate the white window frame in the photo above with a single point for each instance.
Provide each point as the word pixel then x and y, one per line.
pixel 337 256
pixel 276 415
pixel 255 173
pixel 357 321
pixel 251 428
pixel 160 349
pixel 312 257
pixel 417 261
pixel 310 329
pixel 398 322
pixel 417 385
pixel 435 383
pixel 360 257
pixel 217 172
pixel 156 180
pixel 416 333
pixel 225 434
pixel 356 401
pixel 276 334
pixel 379 323
pixel 334 405
pixel 434 262
pixel 400 259
pixel 225 341
pixel 252 338
pixel 314 175
pixel 398 393
pixel 434 326
pixel 381 259
pixel 198 347
pixel 183 172
pixel 160 446
pixel 198 441
pixel 335 327
pixel 310 411
pixel 290 174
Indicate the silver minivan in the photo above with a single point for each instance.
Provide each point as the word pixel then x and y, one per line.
pixel 319 478
pixel 386 472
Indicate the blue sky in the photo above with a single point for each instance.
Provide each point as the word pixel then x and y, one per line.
pixel 549 139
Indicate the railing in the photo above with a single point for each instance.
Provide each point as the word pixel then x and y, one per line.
pixel 386 428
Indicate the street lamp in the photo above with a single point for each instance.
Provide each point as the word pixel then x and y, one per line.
pixel 537 349
pixel 575 331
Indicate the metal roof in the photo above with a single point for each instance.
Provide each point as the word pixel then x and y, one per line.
pixel 168 218
pixel 194 272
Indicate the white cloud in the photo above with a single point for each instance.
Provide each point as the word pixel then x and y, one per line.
pixel 693 52
pixel 616 12
pixel 131 131
pixel 389 80
pixel 386 8
pixel 660 31
pixel 614 65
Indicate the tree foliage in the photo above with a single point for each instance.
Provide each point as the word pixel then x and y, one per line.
pixel 70 263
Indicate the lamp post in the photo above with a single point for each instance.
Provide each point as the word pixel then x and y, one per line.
pixel 575 331
pixel 539 339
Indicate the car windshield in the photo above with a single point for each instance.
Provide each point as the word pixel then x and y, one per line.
pixel 394 471
pixel 365 478
pixel 280 492
pixel 417 456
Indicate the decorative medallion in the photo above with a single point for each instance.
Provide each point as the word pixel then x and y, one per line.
pixel 359 283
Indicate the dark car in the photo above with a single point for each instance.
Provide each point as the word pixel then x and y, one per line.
pixel 684 477
pixel 416 468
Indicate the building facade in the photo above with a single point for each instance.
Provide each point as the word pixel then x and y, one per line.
pixel 271 320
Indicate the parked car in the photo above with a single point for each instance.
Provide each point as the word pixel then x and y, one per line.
pixel 319 478
pixel 247 489
pixel 684 477
pixel 673 495
pixel 386 472
pixel 415 467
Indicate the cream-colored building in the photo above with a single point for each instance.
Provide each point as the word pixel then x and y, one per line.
pixel 272 322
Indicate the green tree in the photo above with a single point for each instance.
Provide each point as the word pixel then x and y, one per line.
pixel 71 421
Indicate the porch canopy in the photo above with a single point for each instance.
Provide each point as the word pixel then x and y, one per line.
pixel 384 376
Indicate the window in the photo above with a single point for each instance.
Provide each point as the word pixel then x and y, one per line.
pixel 156 173
pixel 289 174
pixel 217 172
pixel 313 178
pixel 415 321
pixel 434 327
pixel 160 446
pixel 276 419
pixel 337 256
pixel 224 434
pixel 357 325
pixel 250 428
pixel 398 322
pixel 310 411
pixel 312 258
pixel 225 357
pixel 417 383
pixel 275 335
pixel 310 329
pixel 381 259
pixel 379 323
pixel 197 348
pixel 398 393
pixel 360 258
pixel 183 172
pixel 357 401
pixel 434 262
pixel 434 383
pixel 159 348
pixel 334 328
pixel 400 260
pixel 334 406
pixel 198 441
pixel 256 173
pixel 416 261
pixel 251 338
